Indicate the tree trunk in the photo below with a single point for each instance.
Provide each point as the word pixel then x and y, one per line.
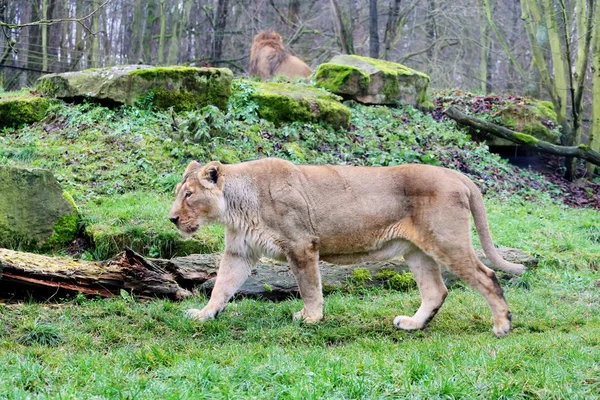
pixel 44 28
pixel 173 54
pixel 138 27
pixel 594 137
pixel 584 17
pixel 219 32
pixel 431 29
pixel 341 25
pixel 582 152
pixel 485 56
pixel 391 28
pixel 94 56
pixel 560 74
pixel 294 11
pixel 42 276
pixel 373 30
pixel 163 29
pixel 535 29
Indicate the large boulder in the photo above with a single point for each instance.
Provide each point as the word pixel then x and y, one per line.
pixel 373 81
pixel 287 102
pixel 35 212
pixel 183 88
pixel 19 108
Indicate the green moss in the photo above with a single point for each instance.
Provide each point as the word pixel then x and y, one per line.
pixel 389 67
pixel 70 199
pixel 391 88
pixel 279 103
pixel 385 274
pixel 360 276
pixel 402 282
pixel 525 138
pixel 546 108
pixel 65 230
pixel 334 76
pixel 19 110
pixel 51 86
pixel 530 118
pixel 295 150
pixel 267 287
pixel 173 71
pixel 423 102
pixel 187 88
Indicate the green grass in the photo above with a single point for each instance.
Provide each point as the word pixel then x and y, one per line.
pixel 121 166
pixel 123 349
pixel 558 236
pixel 139 220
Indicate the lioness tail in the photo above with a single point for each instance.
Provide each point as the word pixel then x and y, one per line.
pixel 483 231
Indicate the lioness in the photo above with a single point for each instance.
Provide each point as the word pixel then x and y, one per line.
pixel 344 215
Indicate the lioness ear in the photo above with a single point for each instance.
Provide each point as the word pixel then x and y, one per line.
pixel 210 174
pixel 191 166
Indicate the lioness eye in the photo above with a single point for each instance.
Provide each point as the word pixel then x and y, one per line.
pixel 188 194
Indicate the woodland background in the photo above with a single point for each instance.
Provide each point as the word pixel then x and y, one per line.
pixel 451 40
pixel 547 49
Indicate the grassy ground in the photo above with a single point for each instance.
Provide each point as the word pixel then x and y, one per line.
pixel 123 348
pixel 121 166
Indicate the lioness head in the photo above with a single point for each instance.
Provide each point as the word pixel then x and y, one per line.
pixel 199 197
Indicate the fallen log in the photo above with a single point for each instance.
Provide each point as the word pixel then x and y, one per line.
pixel 41 276
pixel 581 151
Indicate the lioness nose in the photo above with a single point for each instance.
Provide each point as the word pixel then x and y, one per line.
pixel 174 220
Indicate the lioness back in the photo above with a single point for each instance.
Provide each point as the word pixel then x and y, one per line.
pixel 351 208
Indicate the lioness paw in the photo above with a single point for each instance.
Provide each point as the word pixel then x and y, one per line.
pixel 198 315
pixel 502 329
pixel 302 316
pixel 406 323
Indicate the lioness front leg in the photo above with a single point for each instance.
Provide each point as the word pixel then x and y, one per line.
pixel 304 263
pixel 234 269
pixel 428 275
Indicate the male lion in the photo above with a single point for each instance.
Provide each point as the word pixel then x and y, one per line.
pixel 268 58
pixel 344 215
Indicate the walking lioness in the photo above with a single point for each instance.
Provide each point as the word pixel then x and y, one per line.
pixel 343 215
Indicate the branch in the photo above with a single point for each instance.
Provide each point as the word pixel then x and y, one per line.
pixel 56 21
pixel 581 151
pixel 447 43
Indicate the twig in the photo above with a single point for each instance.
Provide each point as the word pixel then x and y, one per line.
pixel 56 21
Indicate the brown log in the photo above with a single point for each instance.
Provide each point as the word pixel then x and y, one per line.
pixel 129 271
pixel 41 276
pixel 581 151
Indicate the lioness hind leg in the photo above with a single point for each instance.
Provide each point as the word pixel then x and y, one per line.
pixel 304 263
pixel 234 269
pixel 484 280
pixel 428 275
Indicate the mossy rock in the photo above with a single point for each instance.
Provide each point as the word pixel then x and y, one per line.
pixel 35 212
pixel 21 108
pixel 286 102
pixel 533 118
pixel 372 81
pixel 183 88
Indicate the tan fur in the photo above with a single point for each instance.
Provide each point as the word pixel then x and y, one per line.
pixel 344 215
pixel 268 58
